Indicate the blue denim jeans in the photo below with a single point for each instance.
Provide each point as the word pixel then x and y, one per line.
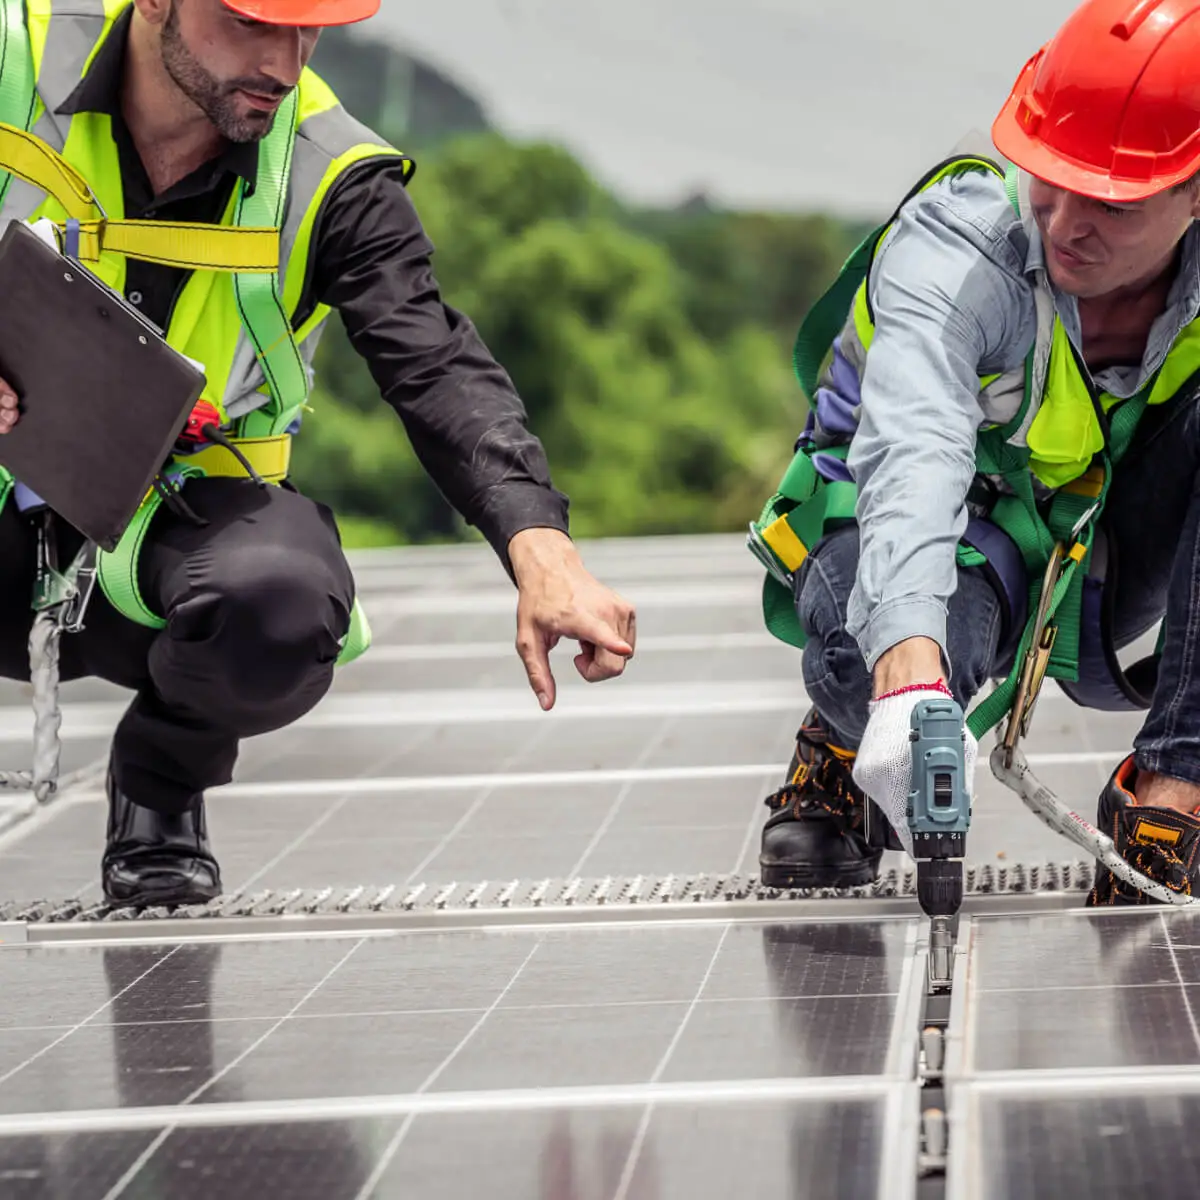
pixel 1152 521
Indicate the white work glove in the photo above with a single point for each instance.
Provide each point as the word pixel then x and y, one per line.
pixel 883 765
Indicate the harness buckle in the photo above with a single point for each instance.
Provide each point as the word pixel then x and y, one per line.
pixel 66 593
pixel 763 553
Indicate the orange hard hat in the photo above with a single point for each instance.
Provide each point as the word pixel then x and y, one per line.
pixel 305 12
pixel 1110 107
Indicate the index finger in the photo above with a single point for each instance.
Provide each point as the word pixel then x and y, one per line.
pixel 587 627
pixel 534 653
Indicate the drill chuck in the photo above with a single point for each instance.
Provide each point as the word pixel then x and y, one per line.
pixel 940 886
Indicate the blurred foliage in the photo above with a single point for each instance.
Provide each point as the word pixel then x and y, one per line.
pixel 652 349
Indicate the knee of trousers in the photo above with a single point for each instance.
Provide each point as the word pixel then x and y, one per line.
pixel 838 684
pixel 262 641
pixel 835 673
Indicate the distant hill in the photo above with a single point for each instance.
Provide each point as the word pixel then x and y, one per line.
pixel 403 98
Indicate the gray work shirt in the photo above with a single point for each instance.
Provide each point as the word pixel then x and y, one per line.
pixel 953 293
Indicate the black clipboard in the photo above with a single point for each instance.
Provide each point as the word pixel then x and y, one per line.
pixel 103 396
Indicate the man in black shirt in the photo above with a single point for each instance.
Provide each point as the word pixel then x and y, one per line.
pixel 249 599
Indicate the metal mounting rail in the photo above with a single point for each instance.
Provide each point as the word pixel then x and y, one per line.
pixel 1009 888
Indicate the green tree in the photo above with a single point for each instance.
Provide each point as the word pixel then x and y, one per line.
pixel 649 349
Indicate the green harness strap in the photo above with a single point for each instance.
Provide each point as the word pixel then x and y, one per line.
pixel 117 572
pixel 258 297
pixel 827 316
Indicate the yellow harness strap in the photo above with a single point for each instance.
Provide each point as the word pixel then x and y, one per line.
pixel 180 244
pixel 269 456
pixel 177 244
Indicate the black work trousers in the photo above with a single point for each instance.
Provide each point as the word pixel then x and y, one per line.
pixel 255 601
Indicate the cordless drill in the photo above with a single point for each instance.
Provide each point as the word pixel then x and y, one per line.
pixel 939 815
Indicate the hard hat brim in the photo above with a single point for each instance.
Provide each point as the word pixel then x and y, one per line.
pixel 1033 156
pixel 305 12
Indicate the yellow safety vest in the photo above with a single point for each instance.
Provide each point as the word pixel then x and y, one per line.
pixel 236 313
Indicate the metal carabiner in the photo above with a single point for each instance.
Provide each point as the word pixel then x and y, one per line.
pixel 64 593
pixel 82 577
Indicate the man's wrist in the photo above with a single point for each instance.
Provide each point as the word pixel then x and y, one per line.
pixel 912 661
pixel 539 548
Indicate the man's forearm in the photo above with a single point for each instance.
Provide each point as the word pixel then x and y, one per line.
pixel 949 301
pixel 465 420
pixel 911 515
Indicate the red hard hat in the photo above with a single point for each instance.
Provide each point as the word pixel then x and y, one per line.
pixel 305 12
pixel 1110 107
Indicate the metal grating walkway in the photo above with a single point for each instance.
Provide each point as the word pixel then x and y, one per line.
pixel 469 946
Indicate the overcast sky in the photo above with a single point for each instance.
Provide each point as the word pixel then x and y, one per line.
pixel 778 103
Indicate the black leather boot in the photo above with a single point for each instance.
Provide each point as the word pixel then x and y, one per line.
pixel 153 858
pixel 1161 843
pixel 823 831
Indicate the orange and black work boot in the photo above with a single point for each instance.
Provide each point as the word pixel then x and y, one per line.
pixel 823 831
pixel 1161 843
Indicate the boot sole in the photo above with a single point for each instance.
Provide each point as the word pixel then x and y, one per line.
pixel 795 875
pixel 163 897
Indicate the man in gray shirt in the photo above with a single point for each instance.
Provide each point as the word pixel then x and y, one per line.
pixel 1084 263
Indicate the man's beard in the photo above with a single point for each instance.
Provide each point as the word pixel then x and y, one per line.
pixel 216 99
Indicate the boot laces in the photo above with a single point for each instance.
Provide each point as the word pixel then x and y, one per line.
pixel 822 783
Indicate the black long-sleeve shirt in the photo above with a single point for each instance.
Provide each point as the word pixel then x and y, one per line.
pixel 373 266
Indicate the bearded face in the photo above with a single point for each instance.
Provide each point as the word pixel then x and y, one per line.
pixel 235 70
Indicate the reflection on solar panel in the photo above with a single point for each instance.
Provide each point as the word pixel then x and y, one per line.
pixel 468 948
